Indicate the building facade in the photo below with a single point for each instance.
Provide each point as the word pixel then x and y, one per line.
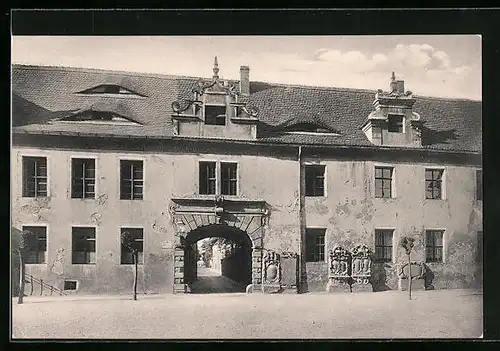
pixel 290 172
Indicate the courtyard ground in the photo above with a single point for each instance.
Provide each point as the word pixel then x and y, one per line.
pixel 381 315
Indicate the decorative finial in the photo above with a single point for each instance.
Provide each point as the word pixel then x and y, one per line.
pixel 216 68
pixel 393 77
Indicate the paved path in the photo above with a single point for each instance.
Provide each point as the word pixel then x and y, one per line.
pixel 388 314
pixel 209 281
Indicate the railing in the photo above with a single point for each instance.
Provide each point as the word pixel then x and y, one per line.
pixel 32 280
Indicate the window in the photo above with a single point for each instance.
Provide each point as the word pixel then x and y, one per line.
pixel 434 246
pixel 315 180
pixel 229 178
pixel 315 245
pixel 136 235
pixel 82 178
pixel 34 176
pixel 383 182
pixel 36 249
pixel 70 285
pixel 109 89
pixel 207 178
pixel 479 185
pixel 131 180
pixel 215 115
pixel 383 245
pixel 395 123
pixel 83 245
pixel 433 180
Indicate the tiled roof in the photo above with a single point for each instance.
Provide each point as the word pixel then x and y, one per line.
pixel 44 93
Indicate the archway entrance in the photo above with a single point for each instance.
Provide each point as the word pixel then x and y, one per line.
pixel 241 221
pixel 228 260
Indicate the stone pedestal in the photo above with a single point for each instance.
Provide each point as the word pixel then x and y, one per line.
pixel 271 289
pixel 416 284
pixel 338 285
pixel 361 287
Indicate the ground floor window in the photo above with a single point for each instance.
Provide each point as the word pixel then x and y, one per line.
pixel 36 249
pixel 83 245
pixel 315 245
pixel 136 243
pixel 383 245
pixel 434 246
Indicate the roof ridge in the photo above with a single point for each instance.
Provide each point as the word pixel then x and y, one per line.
pixel 173 77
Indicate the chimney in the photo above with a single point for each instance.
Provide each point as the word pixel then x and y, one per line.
pixel 245 80
pixel 397 86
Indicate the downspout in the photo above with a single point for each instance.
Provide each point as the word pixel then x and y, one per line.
pixel 302 226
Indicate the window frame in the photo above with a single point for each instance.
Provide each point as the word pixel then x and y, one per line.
pixel 218 176
pixel 391 181
pixel 382 259
pixel 442 183
pixel 86 252
pixel 45 256
pixel 205 105
pixel 315 165
pixel 316 232
pixel 442 246
pixel 236 179
pixel 96 176
pixel 141 256
pixel 208 179
pixel 389 115
pixel 131 159
pixel 24 180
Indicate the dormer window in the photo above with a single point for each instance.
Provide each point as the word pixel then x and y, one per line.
pixel 308 127
pixel 110 90
pixel 395 123
pixel 98 116
pixel 215 115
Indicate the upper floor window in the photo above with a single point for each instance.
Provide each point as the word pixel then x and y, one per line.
pixel 215 115
pixel 213 178
pixel 229 178
pixel 36 250
pixel 136 235
pixel 434 246
pixel 131 180
pixel 479 184
pixel 315 245
pixel 383 182
pixel 83 245
pixel 383 245
pixel 34 176
pixel 83 178
pixel 208 179
pixel 395 123
pixel 315 180
pixel 433 183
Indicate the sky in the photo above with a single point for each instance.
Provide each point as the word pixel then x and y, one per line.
pixel 431 65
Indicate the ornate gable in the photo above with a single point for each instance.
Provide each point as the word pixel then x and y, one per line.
pixel 216 110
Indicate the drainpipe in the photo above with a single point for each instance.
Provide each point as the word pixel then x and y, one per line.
pixel 302 224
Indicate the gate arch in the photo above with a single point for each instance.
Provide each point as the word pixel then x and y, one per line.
pixel 194 218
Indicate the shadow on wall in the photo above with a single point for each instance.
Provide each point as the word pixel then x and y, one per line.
pixel 380 276
pixel 429 278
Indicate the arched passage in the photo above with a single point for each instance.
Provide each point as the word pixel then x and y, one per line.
pixel 236 264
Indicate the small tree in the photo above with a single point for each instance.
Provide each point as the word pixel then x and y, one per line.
pixel 24 241
pixel 407 243
pixel 128 242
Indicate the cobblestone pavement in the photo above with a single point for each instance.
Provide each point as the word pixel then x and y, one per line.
pixel 210 282
pixel 389 314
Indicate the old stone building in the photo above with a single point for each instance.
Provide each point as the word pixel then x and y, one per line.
pixel 288 172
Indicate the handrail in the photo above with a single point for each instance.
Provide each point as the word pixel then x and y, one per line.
pixel 31 279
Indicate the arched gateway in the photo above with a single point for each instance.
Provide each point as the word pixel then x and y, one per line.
pixel 198 218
